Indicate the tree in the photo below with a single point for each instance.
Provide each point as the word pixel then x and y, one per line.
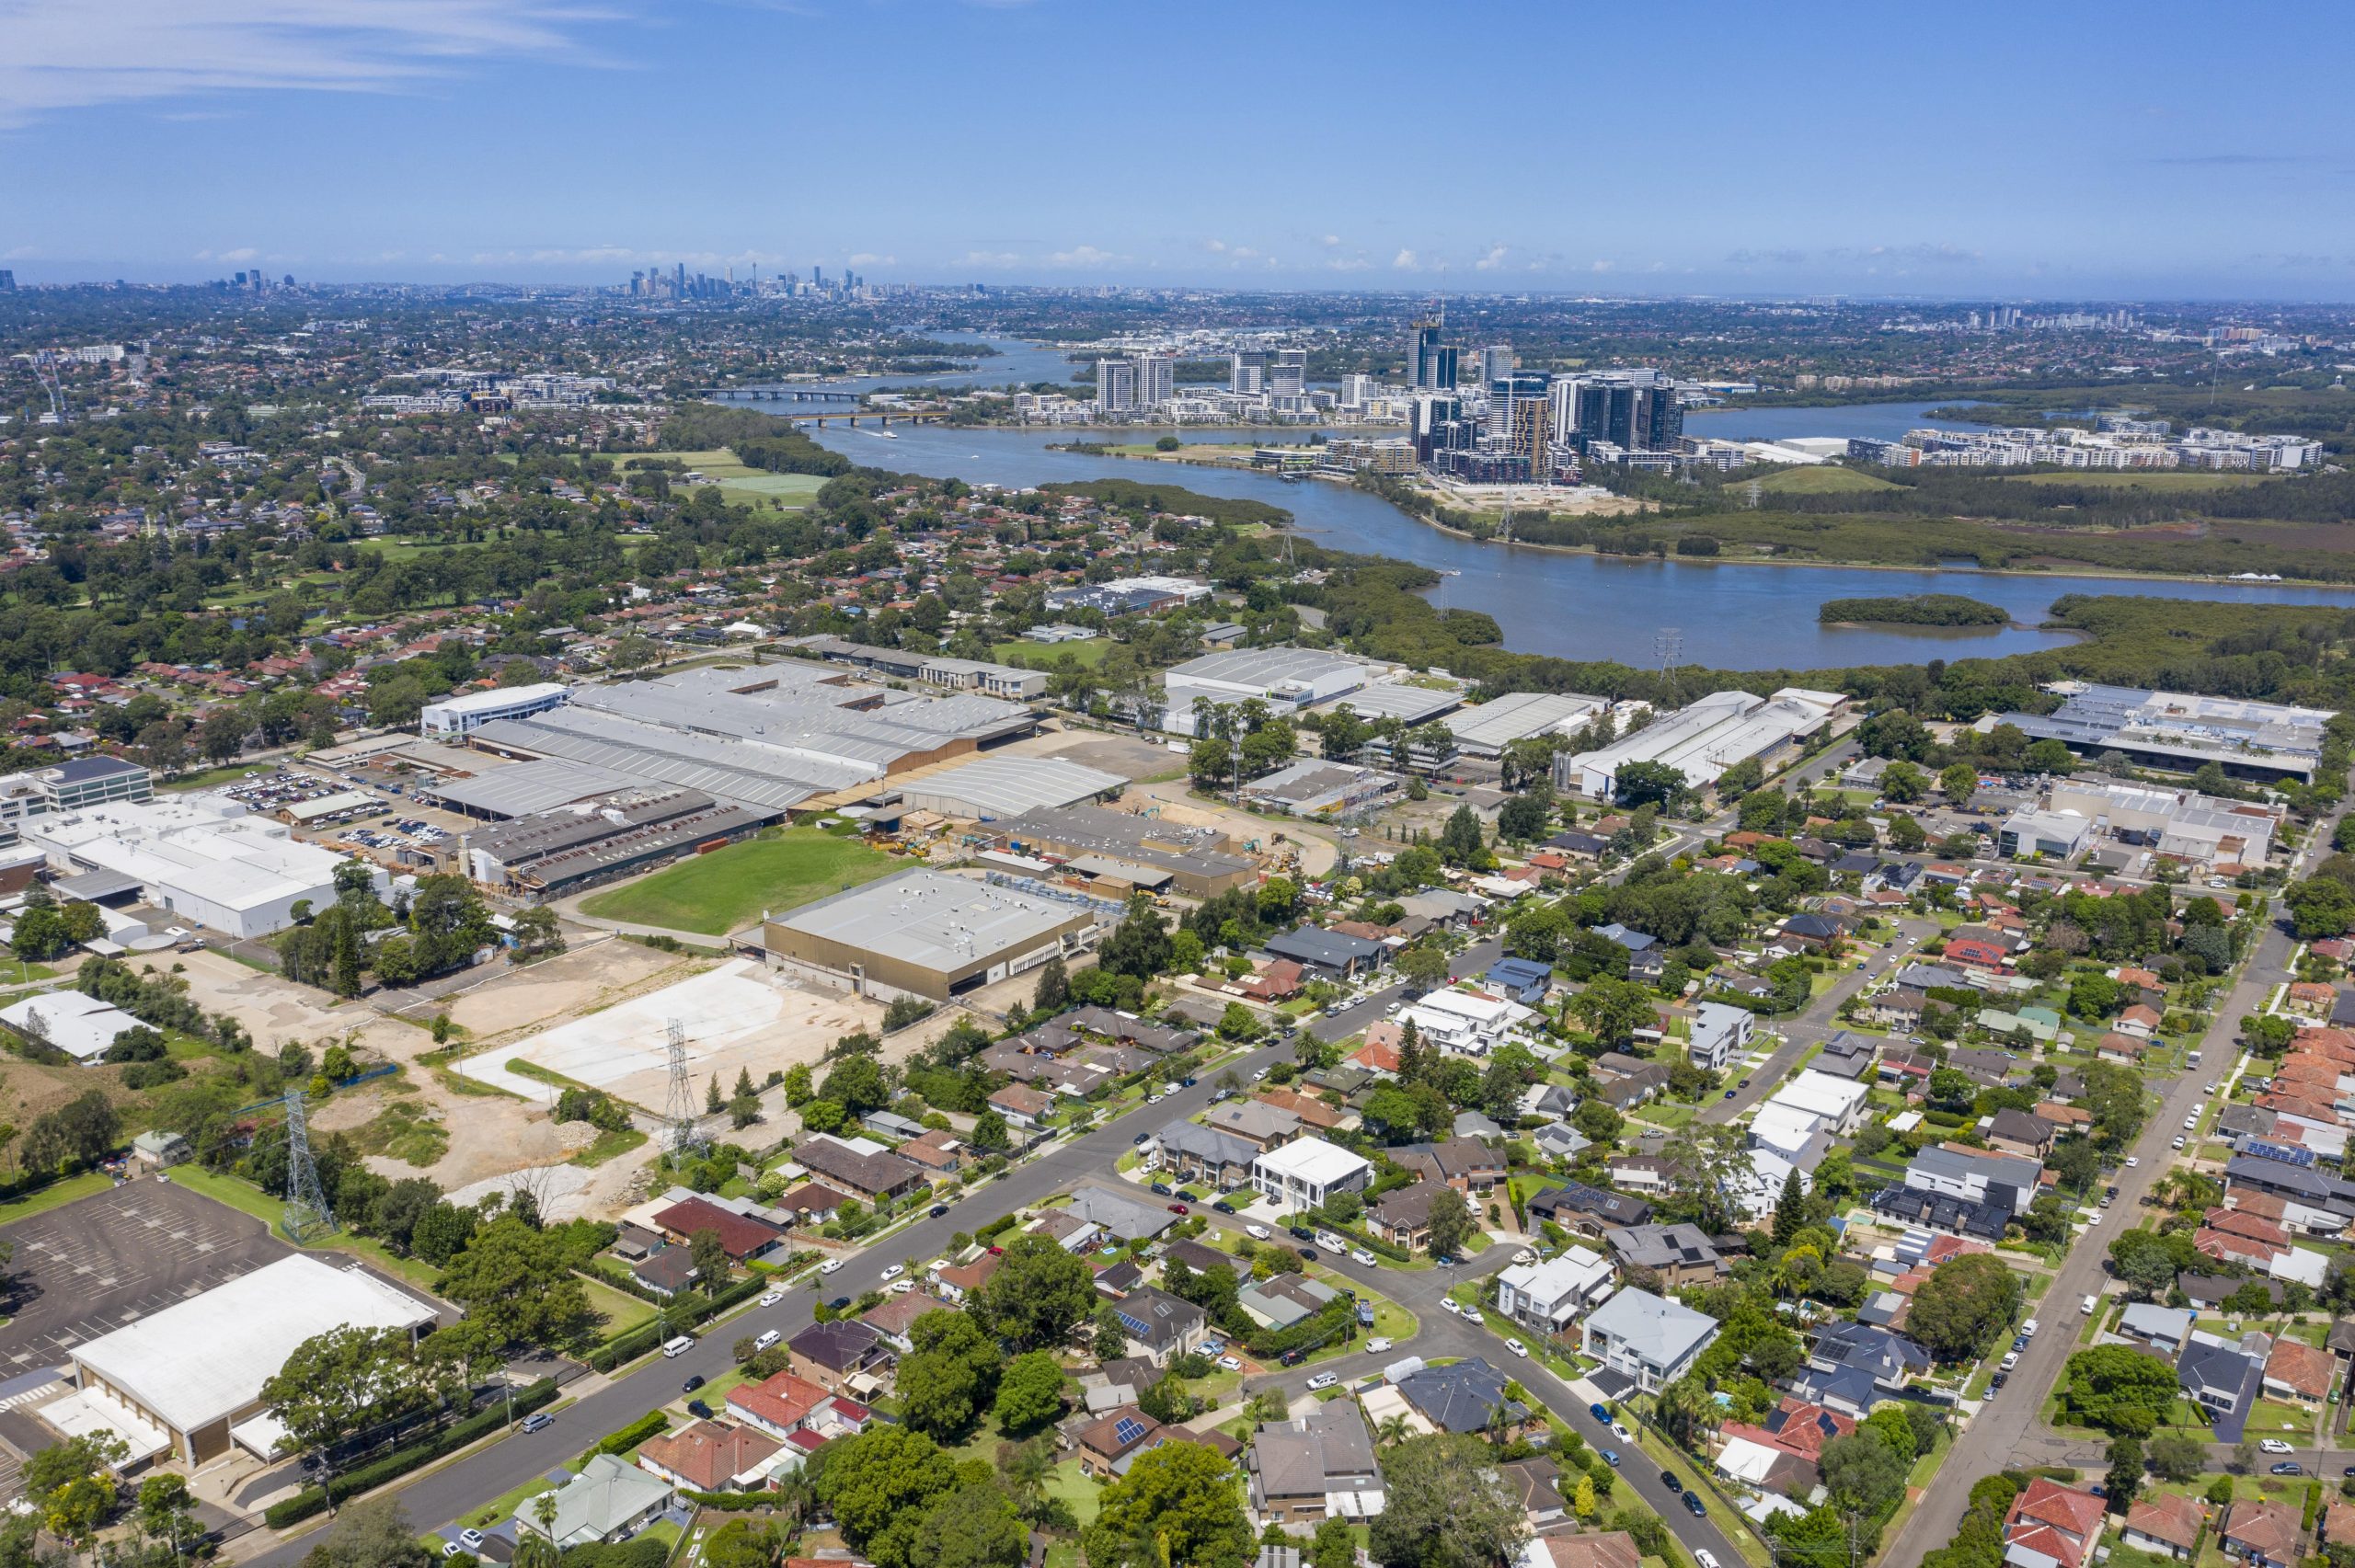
pixel 991 1134
pixel 1958 1309
pixel 73 1486
pixel 1030 1392
pixel 2125 1473
pixel 951 1374
pixel 1335 1545
pixel 1613 1010
pixel 880 1483
pixel 1139 946
pixel 167 1511
pixel 347 1379
pixel 710 1255
pixel 517 1284
pixel 2144 1260
pixel 1423 967
pixel 1178 1507
pixel 1039 1294
pixel 2177 1458
pixel 1452 1223
pixel 1448 1508
pixel 1864 1474
pixel 1054 987
pixel 1959 782
pixel 1647 783
pixel 375 1534
pixel 1790 1208
pixel 2118 1389
pixel 1523 818
pixel 976 1526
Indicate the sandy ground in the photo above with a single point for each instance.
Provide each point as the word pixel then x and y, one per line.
pixel 578 981
pixel 276 1012
pixel 1129 756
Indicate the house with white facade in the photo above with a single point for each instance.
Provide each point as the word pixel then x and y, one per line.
pixel 1639 1336
pixel 1305 1171
pixel 1720 1033
pixel 1546 1295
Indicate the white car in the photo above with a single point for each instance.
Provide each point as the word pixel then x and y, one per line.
pixel 1704 1558
pixel 901 1287
pixel 2275 1446
pixel 1258 1075
pixel 2028 1329
pixel 1376 1347
pixel 2094 1217
pixel 1323 1381
pixel 1231 1363
pixel 2178 1141
pixel 2191 1124
pixel 1154 1099
pixel 1256 1232
pixel 771 1297
pixel 767 1339
pixel 1516 1347
pixel 472 1539
pixel 2133 1161
pixel 1363 1257
pixel 1621 1432
pixel 830 1265
pixel 893 1272
pixel 2011 1359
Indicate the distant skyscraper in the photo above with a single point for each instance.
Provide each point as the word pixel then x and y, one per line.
pixel 8 282
pixel 1116 385
pixel 1431 363
pixel 1632 409
pixel 1156 380
pixel 679 281
pixel 1357 390
pixel 1288 377
pixel 1518 410
pixel 1247 374
pixel 1496 362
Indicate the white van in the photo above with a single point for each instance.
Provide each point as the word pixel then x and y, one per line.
pixel 2088 1305
pixel 767 1339
pixel 686 1342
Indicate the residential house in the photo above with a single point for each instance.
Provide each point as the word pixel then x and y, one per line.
pixel 1190 1152
pixel 1123 1218
pixel 1639 1336
pixel 2164 1329
pixel 1316 1467
pixel 1890 1360
pixel 845 1356
pixel 1581 1548
pixel 895 1315
pixel 711 1456
pixel 1647 1175
pixel 2262 1535
pixel 2050 1523
pixel 2141 1021
pixel 956 1282
pixel 1285 1300
pixel 2298 1372
pixel 939 1152
pixel 1720 1035
pixel 1306 1172
pixel 1262 1126
pixel 1899 1007
pixel 1312 1110
pixel 2223 1379
pixel 607 1499
pixel 1548 1294
pixel 1327 955
pixel 1107 1443
pixel 2164 1524
pixel 1022 1106
pixel 1679 1256
pixel 1466 1165
pixel 1537 1483
pixel 1401 1216
pixel 1160 1327
pixel 2020 1132
pixel 1588 1211
pixel 1523 981
pixel 1462 1396
pixel 742 1237
pixel 1624 1081
pixel 870 1177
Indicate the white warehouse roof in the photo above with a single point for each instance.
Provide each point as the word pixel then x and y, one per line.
pixel 205 1359
pixel 1008 786
pixel 81 1027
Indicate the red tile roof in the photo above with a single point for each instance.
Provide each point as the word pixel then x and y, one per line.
pixel 741 1236
pixel 784 1401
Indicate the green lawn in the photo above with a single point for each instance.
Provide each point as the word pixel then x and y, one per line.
pixel 722 891
pixel 241 1195
pixel 1041 655
pixel 623 1311
pixel 212 777
pixel 57 1195
pixel 607 1146
pixel 1076 1488
pixel 508 1503
pixel 721 465
pixel 1824 480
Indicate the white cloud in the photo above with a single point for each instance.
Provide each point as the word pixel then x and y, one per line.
pixel 1404 261
pixel 868 258
pixel 1494 258
pixel 1599 266
pixel 1084 256
pixel 989 258
pixel 1330 241
pixel 64 54
pixel 1347 264
pixel 1216 246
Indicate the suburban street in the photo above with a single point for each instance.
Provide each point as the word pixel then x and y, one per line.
pixel 2007 1430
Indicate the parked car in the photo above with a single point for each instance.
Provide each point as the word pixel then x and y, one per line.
pixel 1600 1413
pixel 1360 1256
pixel 1230 1363
pixel 830 1265
pixel 895 1271
pixel 2274 1445
pixel 699 1410
pixel 1180 1208
pixel 1611 1458
pixel 1998 1381
pixel 471 1539
pixel 937 1210
pixel 771 1297
pixel 1667 1478
pixel 1694 1506
pixel 1292 1357
pixel 1323 1381
pixel 1619 1430
pixel 1161 1189
pixel 1223 1206
pixel 1256 1232
pixel 538 1420
pixel 2287 1467
pixel 1376 1347
pixel 1516 1347
pixel 692 1384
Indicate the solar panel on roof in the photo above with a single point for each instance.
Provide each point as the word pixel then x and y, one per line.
pixel 1127 1430
pixel 1137 1326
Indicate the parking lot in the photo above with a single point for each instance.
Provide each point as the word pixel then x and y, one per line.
pixel 92 1266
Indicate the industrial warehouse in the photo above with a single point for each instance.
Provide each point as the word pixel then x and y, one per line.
pixel 1705 740
pixel 923 933
pixel 580 845
pixel 1118 852
pixel 769 737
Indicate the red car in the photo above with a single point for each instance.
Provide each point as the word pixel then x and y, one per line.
pixel 1180 1208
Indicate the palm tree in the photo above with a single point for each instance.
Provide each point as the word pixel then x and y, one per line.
pixel 1392 1431
pixel 537 1549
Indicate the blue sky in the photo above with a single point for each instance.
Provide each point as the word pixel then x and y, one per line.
pixel 1998 151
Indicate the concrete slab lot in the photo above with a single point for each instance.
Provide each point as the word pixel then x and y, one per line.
pixel 737 1016
pixel 116 1256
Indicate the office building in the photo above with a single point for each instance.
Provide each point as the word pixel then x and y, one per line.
pixel 1431 363
pixel 454 718
pixel 2181 732
pixel 1633 410
pixel 1496 362
pixel 1357 390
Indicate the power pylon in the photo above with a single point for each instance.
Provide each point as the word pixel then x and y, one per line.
pixel 679 1108
pixel 307 1214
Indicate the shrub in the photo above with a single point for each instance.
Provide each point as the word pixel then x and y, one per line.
pixel 401 1461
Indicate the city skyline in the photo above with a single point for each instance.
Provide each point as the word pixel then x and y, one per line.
pixel 1724 152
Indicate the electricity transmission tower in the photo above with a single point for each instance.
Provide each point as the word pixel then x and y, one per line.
pixel 307 1214
pixel 1668 643
pixel 679 1108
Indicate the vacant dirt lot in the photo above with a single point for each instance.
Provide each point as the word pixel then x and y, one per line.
pixel 583 981
pixel 276 1012
pixel 1127 755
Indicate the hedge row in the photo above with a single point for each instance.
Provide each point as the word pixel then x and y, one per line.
pixel 997 1227
pixel 401 1462
pixel 630 1437
pixel 731 1502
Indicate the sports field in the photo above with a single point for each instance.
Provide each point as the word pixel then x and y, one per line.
pixel 788 490
pixel 722 891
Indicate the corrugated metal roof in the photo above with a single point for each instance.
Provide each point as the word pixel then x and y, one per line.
pixel 522 788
